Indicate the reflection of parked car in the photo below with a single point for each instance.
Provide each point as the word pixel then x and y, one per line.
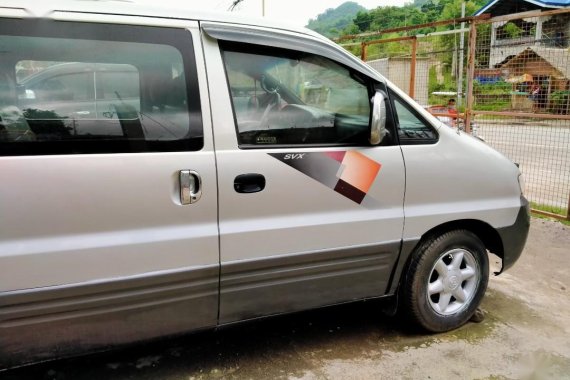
pixel 81 91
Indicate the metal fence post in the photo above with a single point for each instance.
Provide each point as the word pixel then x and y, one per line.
pixel 412 91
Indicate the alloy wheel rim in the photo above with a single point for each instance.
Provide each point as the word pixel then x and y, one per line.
pixel 453 281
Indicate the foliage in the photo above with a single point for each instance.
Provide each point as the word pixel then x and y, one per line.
pixel 559 101
pixel 492 96
pixel 552 209
pixel 498 88
pixel 416 12
pixel 351 18
pixel 498 104
pixel 451 10
pixel 511 30
pixel 448 83
pixel 391 49
pixel 391 17
pixel 334 20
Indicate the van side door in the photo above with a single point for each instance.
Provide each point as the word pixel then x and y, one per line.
pixel 108 220
pixel 311 213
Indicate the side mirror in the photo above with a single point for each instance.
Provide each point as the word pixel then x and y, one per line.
pixel 378 123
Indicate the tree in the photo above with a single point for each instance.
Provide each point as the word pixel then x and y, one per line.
pixel 363 20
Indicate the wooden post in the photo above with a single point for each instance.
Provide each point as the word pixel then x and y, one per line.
pixel 538 32
pixel 548 104
pixel 568 209
pixel 470 75
pixel 567 101
pixel 363 52
pixel 412 90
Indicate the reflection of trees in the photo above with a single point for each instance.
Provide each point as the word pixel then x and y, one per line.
pixel 47 125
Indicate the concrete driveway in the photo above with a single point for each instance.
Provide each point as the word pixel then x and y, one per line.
pixel 525 335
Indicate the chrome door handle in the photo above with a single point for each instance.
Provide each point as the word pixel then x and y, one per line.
pixel 190 187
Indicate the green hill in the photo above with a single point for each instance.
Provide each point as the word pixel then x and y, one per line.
pixel 333 21
pixel 352 18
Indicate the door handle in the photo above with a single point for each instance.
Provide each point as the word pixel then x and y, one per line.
pixel 249 183
pixel 190 187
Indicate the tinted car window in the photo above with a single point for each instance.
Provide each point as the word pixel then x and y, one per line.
pixel 290 98
pixel 133 91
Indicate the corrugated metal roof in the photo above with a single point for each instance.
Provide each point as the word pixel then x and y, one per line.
pixel 539 3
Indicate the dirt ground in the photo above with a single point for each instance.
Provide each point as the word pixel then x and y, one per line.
pixel 525 335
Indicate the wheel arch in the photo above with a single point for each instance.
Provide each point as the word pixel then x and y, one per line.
pixel 485 232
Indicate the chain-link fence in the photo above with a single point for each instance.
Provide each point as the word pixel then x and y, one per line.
pixel 521 98
pixel 505 79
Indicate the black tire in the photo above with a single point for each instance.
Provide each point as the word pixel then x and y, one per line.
pixel 432 257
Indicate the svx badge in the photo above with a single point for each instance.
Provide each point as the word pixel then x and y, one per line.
pixel 294 156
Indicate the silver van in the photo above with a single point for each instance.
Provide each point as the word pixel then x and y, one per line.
pixel 164 171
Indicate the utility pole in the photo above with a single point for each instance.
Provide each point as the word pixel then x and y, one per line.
pixel 461 47
pixel 263 8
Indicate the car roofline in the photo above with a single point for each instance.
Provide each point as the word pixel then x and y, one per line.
pixel 50 10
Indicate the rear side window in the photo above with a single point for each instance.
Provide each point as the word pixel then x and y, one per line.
pixel 69 88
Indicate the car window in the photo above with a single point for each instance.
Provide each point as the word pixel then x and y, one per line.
pixel 412 129
pixel 290 98
pixel 67 93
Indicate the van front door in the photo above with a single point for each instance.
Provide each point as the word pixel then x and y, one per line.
pixel 310 213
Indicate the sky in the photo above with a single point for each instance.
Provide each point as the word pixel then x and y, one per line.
pixel 297 12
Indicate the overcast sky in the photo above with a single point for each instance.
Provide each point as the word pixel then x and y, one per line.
pixel 294 11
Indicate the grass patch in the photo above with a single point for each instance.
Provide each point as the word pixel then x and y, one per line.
pixel 552 209
pixel 495 105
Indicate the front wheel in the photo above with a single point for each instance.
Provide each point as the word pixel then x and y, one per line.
pixel 445 281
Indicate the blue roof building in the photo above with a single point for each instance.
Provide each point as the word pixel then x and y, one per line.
pixel 546 35
pixel 504 7
pixel 531 47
